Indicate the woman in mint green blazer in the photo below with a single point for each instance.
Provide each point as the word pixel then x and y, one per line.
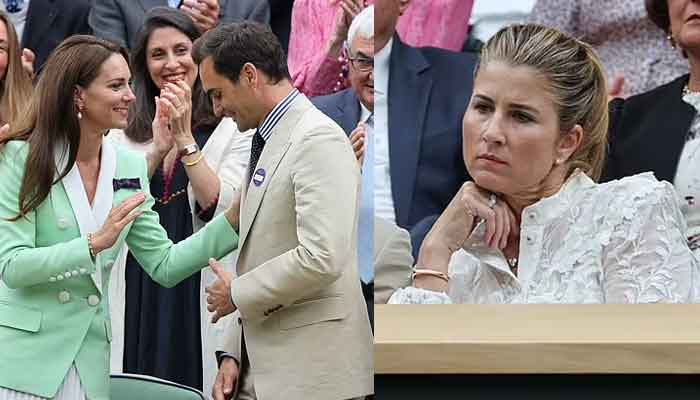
pixel 70 201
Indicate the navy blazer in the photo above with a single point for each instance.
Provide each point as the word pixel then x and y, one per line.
pixel 49 22
pixel 342 107
pixel 429 90
pixel 648 132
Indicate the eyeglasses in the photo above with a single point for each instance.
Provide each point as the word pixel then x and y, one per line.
pixel 361 63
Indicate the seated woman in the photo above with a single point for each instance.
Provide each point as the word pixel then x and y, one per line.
pixel 659 130
pixel 533 226
pixel 70 201
pixel 195 176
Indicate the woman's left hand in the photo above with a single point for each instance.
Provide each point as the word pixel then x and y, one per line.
pixel 178 99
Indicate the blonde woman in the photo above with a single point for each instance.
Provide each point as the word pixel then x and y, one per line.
pixel 534 226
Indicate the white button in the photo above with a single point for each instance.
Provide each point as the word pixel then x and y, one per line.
pixel 75 272
pixel 62 223
pixel 59 277
pixel 529 240
pixel 83 271
pixel 67 274
pixel 532 216
pixel 52 279
pixel 93 300
pixel 63 296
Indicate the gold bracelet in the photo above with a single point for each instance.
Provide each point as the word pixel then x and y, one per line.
pixel 431 272
pixel 92 250
pixel 193 163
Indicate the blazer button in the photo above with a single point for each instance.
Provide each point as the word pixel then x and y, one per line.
pixel 240 321
pixel 75 272
pixel 67 274
pixel 52 279
pixel 62 223
pixel 59 277
pixel 63 296
pixel 93 300
pixel 83 271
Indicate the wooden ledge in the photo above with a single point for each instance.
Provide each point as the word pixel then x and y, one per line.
pixel 540 339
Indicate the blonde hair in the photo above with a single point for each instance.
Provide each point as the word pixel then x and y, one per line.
pixel 575 80
pixel 16 87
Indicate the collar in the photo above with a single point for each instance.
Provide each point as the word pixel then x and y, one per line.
pixel 269 123
pixel 364 113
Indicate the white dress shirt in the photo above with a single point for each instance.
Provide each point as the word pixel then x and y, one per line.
pixel 619 242
pixel 383 200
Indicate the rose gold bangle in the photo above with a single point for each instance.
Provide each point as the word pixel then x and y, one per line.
pixel 431 272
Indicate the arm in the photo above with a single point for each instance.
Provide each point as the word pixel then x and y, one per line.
pixel 22 263
pixel 325 221
pixel 107 21
pixel 647 259
pixel 168 263
pixel 393 264
pixel 313 71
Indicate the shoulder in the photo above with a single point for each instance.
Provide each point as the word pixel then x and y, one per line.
pixel 672 89
pixel 328 101
pixel 635 196
pixel 449 60
pixel 14 152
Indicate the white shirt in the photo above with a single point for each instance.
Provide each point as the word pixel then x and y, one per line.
pixel 19 18
pixel 383 200
pixel 618 242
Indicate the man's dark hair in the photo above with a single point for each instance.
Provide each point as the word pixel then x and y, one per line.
pixel 235 44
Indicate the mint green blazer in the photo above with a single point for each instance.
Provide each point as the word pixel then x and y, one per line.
pixel 54 306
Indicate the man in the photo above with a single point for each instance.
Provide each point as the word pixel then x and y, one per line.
pixel 121 20
pixel 42 24
pixel 302 331
pixel 352 110
pixel 421 95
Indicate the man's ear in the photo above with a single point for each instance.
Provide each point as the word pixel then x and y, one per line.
pixel 249 75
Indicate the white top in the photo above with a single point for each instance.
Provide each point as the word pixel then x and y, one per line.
pixel 687 180
pixel 383 200
pixel 617 242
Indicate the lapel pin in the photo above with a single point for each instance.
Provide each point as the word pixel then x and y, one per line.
pixel 259 177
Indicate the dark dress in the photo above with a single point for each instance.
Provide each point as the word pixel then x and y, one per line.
pixel 162 334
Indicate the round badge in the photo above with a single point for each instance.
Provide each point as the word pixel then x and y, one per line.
pixel 259 177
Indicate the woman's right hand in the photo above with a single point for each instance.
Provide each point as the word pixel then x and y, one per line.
pixel 162 135
pixel 118 217
pixel 458 220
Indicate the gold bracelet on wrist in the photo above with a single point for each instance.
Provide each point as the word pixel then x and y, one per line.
pixel 195 162
pixel 92 250
pixel 431 272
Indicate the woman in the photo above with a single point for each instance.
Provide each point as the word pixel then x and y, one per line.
pixel 190 187
pixel 59 237
pixel 659 130
pixel 15 82
pixel 533 226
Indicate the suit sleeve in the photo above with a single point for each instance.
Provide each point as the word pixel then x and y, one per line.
pixel 107 22
pixel 22 262
pixel 168 263
pixel 325 179
pixel 255 10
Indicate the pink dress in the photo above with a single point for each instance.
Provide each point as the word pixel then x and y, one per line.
pixel 436 23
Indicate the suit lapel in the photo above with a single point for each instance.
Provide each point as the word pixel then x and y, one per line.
pixel 272 155
pixel 349 109
pixel 408 69
pixel 90 219
pixel 40 16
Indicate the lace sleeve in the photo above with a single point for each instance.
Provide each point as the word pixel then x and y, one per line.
pixel 646 259
pixel 412 295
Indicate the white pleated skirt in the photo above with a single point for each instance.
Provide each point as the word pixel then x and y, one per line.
pixel 70 389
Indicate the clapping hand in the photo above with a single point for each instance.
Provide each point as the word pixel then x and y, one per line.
pixel 177 99
pixel 219 293
pixel 204 13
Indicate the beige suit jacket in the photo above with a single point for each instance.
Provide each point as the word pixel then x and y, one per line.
pixel 307 334
pixel 393 262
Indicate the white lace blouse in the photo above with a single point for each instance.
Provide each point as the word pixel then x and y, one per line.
pixel 687 179
pixel 618 242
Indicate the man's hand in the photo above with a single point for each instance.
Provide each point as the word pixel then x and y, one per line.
pixel 28 58
pixel 204 13
pixel 357 139
pixel 225 379
pixel 219 293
